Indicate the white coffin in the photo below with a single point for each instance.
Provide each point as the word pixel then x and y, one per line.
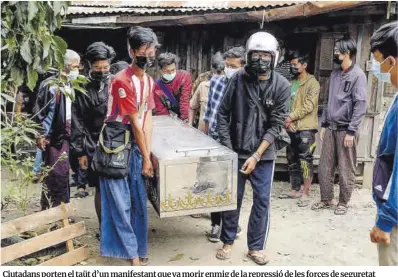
pixel 194 174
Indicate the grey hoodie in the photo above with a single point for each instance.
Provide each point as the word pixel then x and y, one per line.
pixel 346 105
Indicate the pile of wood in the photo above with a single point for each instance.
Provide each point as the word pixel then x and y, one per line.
pixel 62 235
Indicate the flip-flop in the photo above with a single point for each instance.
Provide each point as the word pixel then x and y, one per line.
pixel 340 210
pixel 226 256
pixel 320 206
pixel 303 202
pixel 260 258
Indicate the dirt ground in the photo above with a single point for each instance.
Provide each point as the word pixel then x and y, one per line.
pixel 298 236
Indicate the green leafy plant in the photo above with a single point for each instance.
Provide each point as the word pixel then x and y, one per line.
pixel 28 44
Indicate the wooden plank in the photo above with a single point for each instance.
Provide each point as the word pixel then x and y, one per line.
pixel 46 240
pixel 30 222
pixel 69 243
pixel 67 259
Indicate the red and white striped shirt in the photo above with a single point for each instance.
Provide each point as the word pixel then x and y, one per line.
pixel 125 96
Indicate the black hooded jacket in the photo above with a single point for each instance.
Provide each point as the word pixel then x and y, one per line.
pixel 241 125
pixel 88 115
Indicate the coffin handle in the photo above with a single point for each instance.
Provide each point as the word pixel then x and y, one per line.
pixel 186 150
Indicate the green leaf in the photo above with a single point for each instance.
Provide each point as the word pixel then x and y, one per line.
pixel 32 78
pixel 17 76
pixel 57 5
pixel 59 58
pixel 60 44
pixel 25 51
pixel 32 8
pixel 46 41
pixel 8 97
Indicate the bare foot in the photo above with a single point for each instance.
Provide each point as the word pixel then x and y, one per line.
pixel 135 262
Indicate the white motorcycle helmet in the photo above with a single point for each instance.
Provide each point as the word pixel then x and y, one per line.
pixel 265 42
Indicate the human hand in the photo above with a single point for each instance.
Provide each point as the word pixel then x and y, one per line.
pixel 349 141
pixel 379 236
pixel 41 143
pixel 249 166
pixel 83 162
pixel 147 168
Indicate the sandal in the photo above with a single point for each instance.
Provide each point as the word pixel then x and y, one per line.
pixel 144 261
pixel 304 202
pixel 223 254
pixel 259 258
pixel 340 210
pixel 320 206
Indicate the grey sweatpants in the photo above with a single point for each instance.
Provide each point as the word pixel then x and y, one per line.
pixel 334 153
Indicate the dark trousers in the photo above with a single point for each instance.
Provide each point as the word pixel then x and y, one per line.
pixel 300 157
pixel 215 219
pixel 334 153
pixel 56 185
pixel 258 227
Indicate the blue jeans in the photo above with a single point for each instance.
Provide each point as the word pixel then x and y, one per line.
pixel 38 161
pixel 124 225
pixel 257 232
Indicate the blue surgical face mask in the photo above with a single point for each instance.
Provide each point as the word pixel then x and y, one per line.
pixel 376 70
pixel 169 77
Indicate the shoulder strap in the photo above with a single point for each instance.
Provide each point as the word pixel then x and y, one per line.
pixel 169 95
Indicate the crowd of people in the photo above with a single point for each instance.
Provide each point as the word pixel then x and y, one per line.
pixel 251 101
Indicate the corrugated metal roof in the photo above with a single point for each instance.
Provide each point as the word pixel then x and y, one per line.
pixel 164 7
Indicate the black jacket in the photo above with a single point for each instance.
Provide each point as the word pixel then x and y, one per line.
pixel 88 115
pixel 241 125
pixel 51 101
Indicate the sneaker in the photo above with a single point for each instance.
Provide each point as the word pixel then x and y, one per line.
pixel 239 231
pixel 81 194
pixel 214 235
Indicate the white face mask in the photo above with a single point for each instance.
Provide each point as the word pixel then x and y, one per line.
pixel 73 74
pixel 169 77
pixel 376 70
pixel 229 72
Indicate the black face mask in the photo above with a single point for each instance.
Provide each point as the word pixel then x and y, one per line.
pixel 99 75
pixel 259 67
pixel 294 71
pixel 144 62
pixel 336 60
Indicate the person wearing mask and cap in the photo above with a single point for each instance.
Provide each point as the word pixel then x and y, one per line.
pixel 200 98
pixel 341 118
pixel 250 121
pixel 54 114
pixel 89 112
pixel 384 47
pixel 128 126
pixel 173 89
pixel 302 125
